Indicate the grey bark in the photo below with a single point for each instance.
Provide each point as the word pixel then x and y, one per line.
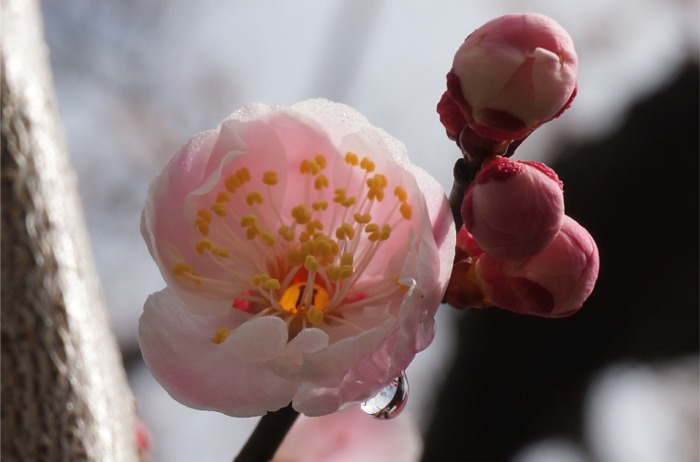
pixel 64 390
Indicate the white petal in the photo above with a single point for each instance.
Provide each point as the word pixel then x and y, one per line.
pixel 258 340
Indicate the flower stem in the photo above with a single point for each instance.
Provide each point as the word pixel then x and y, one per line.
pixel 463 175
pixel 267 436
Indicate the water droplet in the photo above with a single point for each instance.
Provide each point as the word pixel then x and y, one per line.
pixel 390 400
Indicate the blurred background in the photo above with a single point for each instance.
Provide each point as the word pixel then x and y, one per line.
pixel 135 79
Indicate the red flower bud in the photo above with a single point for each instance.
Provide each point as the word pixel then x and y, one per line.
pixel 553 283
pixel 514 209
pixel 510 76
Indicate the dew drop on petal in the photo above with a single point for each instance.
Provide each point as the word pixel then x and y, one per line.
pixel 390 400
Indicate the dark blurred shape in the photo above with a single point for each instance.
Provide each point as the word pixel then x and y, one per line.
pixel 518 379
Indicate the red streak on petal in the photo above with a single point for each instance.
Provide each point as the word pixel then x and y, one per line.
pixel 243 305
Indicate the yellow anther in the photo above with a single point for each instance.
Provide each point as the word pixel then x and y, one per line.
pixel 286 232
pixel 381 180
pixel 340 195
pixel 405 210
pixel 323 248
pixel 310 263
pixel 271 284
pixel 203 245
pixel 319 205
pixel 314 315
pixel 307 247
pixel 345 231
pixel 401 194
pixel 374 232
pixel 309 166
pixel 259 279
pixel 254 198
pixel 375 194
pixel 205 215
pixel 348 202
pixel 220 252
pixel 300 214
pixel 363 218
pixel 385 233
pixel 333 272
pixel 304 236
pixel 220 335
pixel 268 238
pixel 345 272
pixel 219 209
pixel 346 259
pixel 321 182
pixel 296 257
pixel 252 232
pixel 313 225
pixel 223 196
pixel 243 175
pixel 180 269
pixel 337 273
pixel 367 165
pixel 351 158
pixel 321 161
pixel 202 227
pixel 270 178
pixel 249 220
pixel 232 183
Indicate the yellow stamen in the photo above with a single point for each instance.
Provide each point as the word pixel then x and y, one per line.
pixel 205 215
pixel 321 182
pixel 351 158
pixel 220 335
pixel 223 196
pixel 254 198
pixel 270 178
pixel 202 227
pixel 362 219
pixel 219 209
pixel 203 245
pixel 406 210
pixel 315 316
pixel 401 194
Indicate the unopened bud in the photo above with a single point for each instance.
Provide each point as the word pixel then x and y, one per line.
pixel 510 76
pixel 514 209
pixel 553 283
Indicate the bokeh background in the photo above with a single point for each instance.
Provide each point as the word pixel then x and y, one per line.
pixel 136 78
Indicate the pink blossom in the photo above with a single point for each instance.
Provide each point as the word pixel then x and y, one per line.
pixel 304 257
pixel 514 209
pixel 553 283
pixel 351 436
pixel 510 76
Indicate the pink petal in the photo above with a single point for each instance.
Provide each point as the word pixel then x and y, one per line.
pixel 178 350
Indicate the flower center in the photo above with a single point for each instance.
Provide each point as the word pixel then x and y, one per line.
pixel 296 249
pixel 296 298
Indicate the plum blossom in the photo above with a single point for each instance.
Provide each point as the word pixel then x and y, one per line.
pixel 349 436
pixel 304 257
pixel 510 76
pixel 514 209
pixel 553 283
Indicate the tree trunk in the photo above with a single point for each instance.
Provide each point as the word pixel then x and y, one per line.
pixel 64 391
